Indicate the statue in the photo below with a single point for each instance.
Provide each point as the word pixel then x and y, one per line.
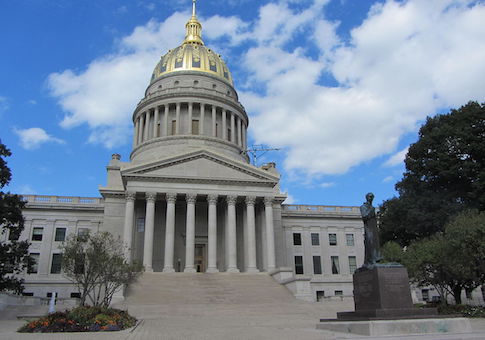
pixel 371 233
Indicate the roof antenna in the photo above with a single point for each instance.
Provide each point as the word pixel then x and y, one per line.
pixel 257 151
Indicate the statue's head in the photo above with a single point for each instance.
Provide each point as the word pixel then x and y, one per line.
pixel 369 197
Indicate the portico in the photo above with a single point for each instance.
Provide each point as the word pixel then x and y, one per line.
pixel 231 228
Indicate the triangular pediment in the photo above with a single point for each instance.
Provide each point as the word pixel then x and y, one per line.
pixel 201 166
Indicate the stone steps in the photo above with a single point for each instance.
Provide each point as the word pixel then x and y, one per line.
pixel 203 288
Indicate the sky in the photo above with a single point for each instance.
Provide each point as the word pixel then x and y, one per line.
pixel 340 87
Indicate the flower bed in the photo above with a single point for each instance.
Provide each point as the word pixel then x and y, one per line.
pixel 81 319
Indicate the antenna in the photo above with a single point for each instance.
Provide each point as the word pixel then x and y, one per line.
pixel 257 151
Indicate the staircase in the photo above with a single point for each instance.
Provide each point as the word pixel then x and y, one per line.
pixel 203 288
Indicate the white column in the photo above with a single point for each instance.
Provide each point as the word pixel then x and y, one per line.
pixel 232 242
pixel 214 126
pixel 233 128
pixel 177 120
pixel 224 124
pixel 239 132
pixel 128 229
pixel 142 125
pixel 251 239
pixel 169 233
pixel 165 119
pixel 244 136
pixel 191 113
pixel 135 133
pixel 155 122
pixel 147 125
pixel 190 234
pixel 202 119
pixel 212 232
pixel 149 227
pixel 268 205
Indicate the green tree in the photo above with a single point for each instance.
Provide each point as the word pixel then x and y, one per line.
pixel 96 265
pixel 14 254
pixel 445 174
pixel 392 252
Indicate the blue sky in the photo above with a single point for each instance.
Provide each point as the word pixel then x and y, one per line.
pixel 340 86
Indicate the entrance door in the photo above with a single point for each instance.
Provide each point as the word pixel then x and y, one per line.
pixel 199 258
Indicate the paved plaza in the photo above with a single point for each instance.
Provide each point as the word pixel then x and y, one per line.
pixel 223 306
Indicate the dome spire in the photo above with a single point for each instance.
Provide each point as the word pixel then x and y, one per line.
pixel 193 29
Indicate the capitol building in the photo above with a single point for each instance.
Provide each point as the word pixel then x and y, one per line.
pixel 189 201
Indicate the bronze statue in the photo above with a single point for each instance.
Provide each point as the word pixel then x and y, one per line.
pixel 371 233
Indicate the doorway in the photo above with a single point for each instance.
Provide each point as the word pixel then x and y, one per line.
pixel 200 258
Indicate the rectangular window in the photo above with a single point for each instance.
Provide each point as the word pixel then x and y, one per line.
pixel 60 235
pixel 174 127
pixel 315 239
pixel 425 294
pixel 296 239
pixel 27 294
pixel 37 233
pixel 76 295
pixel 350 239
pixel 82 232
pixel 195 127
pixel 352 264
pixel 217 129
pixel 140 225
pixel 56 263
pixel 332 239
pixel 317 265
pixel 298 264
pixel 339 293
pixel 335 265
pixel 320 295
pixel 34 264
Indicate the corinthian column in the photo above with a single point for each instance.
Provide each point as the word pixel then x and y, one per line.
pixel 232 242
pixel 128 228
pixel 251 238
pixel 190 234
pixel 149 227
pixel 156 117
pixel 169 233
pixel 212 232
pixel 268 205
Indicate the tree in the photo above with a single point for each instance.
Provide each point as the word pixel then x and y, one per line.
pixel 14 254
pixel 392 252
pixel 96 265
pixel 445 174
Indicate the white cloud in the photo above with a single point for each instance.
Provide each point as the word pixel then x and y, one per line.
pixel 325 185
pixel 388 179
pixel 33 138
pixel 407 60
pixel 3 104
pixel 289 199
pixel 397 158
pixel 26 190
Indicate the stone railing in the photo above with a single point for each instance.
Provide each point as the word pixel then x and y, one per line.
pixel 320 209
pixel 62 199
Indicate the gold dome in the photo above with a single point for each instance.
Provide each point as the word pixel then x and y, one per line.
pixel 192 55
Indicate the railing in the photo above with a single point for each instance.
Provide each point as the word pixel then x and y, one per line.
pixel 319 208
pixel 62 199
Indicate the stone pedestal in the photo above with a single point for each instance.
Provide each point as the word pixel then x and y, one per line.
pixel 383 293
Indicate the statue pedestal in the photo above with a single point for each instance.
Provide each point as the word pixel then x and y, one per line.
pixel 383 292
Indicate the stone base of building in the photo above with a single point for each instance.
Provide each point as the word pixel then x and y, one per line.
pixel 398 327
pixel 388 314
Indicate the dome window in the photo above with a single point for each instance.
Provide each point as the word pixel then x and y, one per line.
pixel 196 82
pixel 213 67
pixel 160 86
pixel 196 62
pixel 176 83
pixel 214 86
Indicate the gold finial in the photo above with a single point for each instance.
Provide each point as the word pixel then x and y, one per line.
pixel 193 29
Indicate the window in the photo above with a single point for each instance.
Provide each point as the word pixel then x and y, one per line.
pixel 350 239
pixel 37 233
pixel 82 232
pixel 352 264
pixel 140 225
pixel 320 295
pixel 425 294
pixel 315 239
pixel 298 264
pixel 60 234
pixel 76 295
pixel 339 293
pixel 195 127
pixel 335 265
pixel 174 127
pixel 13 235
pixel 27 294
pixel 296 239
pixel 34 264
pixel 56 263
pixel 332 239
pixel 317 265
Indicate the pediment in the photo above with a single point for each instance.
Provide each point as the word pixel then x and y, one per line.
pixel 201 166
